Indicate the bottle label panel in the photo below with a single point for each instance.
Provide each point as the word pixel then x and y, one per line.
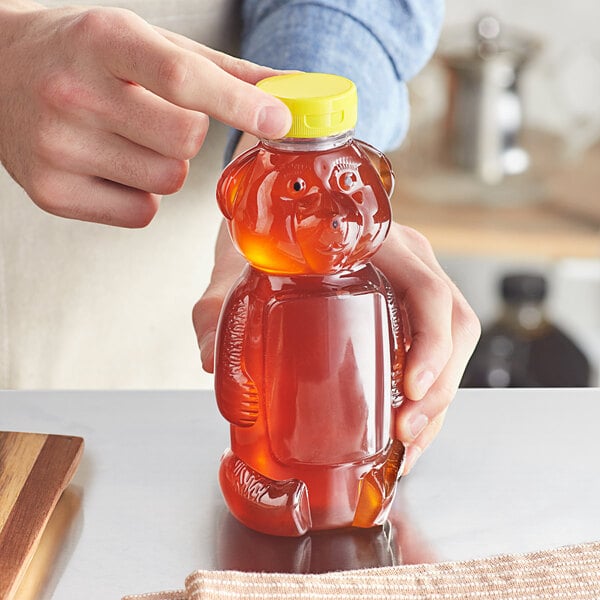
pixel 327 378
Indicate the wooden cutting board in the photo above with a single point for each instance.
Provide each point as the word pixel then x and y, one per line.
pixel 34 471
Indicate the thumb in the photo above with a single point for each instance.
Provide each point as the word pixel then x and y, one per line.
pixel 205 314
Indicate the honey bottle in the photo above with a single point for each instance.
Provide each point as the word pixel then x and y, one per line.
pixel 310 343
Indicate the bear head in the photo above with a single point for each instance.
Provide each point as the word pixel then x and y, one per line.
pixel 310 212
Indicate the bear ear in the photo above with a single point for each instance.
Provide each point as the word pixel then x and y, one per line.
pixel 232 179
pixel 381 163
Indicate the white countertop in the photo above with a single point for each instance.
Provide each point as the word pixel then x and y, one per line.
pixel 512 471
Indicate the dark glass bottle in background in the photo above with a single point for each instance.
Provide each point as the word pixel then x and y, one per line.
pixel 522 348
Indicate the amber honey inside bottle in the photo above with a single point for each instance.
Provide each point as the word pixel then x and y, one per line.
pixel 310 349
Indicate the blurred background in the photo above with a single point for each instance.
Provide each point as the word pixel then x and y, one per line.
pixel 501 171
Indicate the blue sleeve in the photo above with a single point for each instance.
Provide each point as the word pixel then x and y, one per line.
pixel 379 44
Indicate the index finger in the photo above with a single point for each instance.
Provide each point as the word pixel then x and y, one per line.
pixel 139 53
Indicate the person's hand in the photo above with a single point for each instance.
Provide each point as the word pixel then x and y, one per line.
pixel 444 328
pixel 444 331
pixel 100 112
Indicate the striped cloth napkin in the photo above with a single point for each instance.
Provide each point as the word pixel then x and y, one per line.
pixel 567 573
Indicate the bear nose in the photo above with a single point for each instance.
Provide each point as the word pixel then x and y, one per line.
pixel 336 232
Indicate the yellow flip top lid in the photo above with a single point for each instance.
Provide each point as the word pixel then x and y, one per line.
pixel 321 104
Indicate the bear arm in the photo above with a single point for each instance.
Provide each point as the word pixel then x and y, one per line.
pixel 399 342
pixel 237 395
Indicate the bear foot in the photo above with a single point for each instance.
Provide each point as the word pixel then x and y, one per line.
pixel 377 489
pixel 266 505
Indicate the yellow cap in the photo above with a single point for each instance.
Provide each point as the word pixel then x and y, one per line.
pixel 321 104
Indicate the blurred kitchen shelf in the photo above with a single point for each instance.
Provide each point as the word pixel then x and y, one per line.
pixel 568 226
pixel 537 230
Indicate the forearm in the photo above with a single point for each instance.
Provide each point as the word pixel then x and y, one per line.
pixel 380 45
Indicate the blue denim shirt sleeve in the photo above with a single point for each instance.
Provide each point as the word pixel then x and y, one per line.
pixel 379 44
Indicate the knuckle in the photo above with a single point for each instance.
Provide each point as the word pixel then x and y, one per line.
pixel 445 392
pixel 416 241
pixel 436 287
pixel 231 63
pixel 94 23
pixel 441 349
pixel 432 430
pixel 212 298
pixel 51 196
pixel 172 177
pixel 466 321
pixel 139 214
pixel 237 100
pixel 205 313
pixel 173 73
pixel 196 313
pixel 44 191
pixel 145 211
pixel 153 175
pixel 201 309
pixel 97 23
pixel 437 421
pixel 192 134
pixel 121 18
pixel 63 91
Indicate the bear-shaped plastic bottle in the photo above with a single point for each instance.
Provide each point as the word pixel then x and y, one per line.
pixel 310 344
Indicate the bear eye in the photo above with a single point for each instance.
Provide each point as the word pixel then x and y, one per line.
pixel 297 185
pixel 347 180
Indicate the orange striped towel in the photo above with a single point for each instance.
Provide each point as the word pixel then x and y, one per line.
pixel 567 573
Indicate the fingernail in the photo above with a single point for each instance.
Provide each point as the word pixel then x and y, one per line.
pixel 416 424
pixel 423 382
pixel 412 455
pixel 273 121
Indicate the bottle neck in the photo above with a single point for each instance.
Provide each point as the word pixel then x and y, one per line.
pixel 529 315
pixel 305 144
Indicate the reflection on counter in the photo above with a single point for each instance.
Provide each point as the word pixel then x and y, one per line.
pixel 55 548
pixel 396 542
